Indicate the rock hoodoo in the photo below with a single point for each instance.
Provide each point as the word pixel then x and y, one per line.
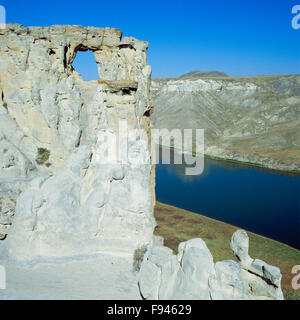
pixel 51 121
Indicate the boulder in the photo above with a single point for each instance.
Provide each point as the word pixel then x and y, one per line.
pixel 227 283
pixel 192 273
pixel 239 244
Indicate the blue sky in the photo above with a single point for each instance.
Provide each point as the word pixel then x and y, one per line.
pixel 238 37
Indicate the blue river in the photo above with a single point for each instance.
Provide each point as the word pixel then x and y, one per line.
pixel 264 202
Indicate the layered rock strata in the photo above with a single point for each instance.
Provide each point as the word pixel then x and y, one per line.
pixel 247 119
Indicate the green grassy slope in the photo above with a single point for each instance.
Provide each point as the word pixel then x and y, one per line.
pixel 177 225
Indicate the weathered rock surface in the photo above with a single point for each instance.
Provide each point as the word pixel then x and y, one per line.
pixel 252 119
pixel 51 129
pixel 192 274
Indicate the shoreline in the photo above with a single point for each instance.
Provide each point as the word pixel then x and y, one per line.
pixel 253 165
pixel 256 166
pixel 229 224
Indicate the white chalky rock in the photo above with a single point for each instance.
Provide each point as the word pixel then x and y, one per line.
pixel 192 274
pixel 240 245
pixel 81 205
pixel 263 280
pixel 227 283
pixel 197 264
pixel 182 277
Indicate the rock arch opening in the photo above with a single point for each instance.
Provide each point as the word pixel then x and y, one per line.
pixel 85 64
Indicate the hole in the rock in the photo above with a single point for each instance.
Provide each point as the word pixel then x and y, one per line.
pixel 126 91
pixel 85 64
pixel 147 113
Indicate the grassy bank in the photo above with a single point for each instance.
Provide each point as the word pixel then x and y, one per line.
pixel 177 225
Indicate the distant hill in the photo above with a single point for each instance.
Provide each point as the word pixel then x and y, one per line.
pixel 203 74
pixel 249 119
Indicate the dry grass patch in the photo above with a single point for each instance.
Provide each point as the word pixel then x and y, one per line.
pixel 177 225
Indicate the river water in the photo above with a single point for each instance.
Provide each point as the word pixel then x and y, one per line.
pixel 264 202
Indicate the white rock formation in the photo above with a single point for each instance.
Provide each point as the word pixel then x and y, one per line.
pixel 239 244
pixel 70 203
pixel 262 279
pixel 192 274
pixel 62 201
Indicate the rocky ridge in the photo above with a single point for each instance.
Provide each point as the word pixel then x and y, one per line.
pixel 248 119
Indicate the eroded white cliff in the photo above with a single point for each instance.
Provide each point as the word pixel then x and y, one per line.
pixel 51 125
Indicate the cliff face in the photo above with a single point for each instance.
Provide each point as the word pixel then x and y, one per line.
pixel 254 119
pixel 52 125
